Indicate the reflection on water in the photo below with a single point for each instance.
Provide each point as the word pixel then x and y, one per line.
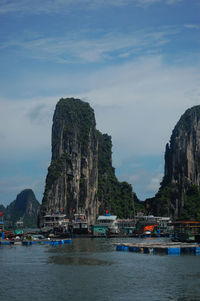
pixel 188 298
pixel 85 245
pixel 77 261
pixel 189 276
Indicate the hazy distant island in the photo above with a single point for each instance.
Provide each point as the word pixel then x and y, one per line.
pixel 25 208
pixel 81 175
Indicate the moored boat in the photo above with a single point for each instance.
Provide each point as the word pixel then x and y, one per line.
pixel 80 224
pixel 56 222
pixel 19 227
pixel 105 225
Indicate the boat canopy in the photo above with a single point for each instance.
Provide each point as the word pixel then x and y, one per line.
pixel 107 218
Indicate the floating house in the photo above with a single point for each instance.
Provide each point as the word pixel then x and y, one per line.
pixel 146 227
pixel 153 224
pixel 145 224
pixel 187 231
pixel 126 226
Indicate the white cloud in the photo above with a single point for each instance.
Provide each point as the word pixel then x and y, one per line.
pixel 154 184
pixel 26 124
pixel 79 48
pixel 139 103
pixel 65 6
pixel 192 26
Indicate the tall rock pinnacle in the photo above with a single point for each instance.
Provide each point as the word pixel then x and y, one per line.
pixel 72 179
pixel 181 180
pixel 81 176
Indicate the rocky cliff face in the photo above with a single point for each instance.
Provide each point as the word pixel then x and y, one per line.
pixel 72 179
pixel 81 176
pixel 182 165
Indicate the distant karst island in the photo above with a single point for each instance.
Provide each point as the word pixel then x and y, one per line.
pixel 25 208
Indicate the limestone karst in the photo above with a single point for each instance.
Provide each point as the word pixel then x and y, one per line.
pixel 80 175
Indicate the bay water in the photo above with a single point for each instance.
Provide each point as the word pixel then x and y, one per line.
pixel 92 270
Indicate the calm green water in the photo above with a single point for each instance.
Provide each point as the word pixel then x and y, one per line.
pixel 91 269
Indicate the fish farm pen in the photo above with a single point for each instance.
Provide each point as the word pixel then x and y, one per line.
pixel 171 248
pixel 52 242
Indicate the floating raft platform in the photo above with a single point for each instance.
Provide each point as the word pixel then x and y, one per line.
pixel 170 248
pixel 51 242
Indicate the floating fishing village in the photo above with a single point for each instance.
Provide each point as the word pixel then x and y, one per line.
pixel 58 230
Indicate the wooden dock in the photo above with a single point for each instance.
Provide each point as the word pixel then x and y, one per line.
pixel 170 248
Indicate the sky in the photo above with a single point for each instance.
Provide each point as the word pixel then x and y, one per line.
pixel 135 61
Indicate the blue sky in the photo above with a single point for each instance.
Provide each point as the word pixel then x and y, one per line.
pixel 135 61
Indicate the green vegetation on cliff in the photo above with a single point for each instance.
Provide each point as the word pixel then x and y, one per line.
pixel 191 209
pixel 55 170
pixel 115 196
pixel 80 119
pixel 186 120
pixel 159 205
